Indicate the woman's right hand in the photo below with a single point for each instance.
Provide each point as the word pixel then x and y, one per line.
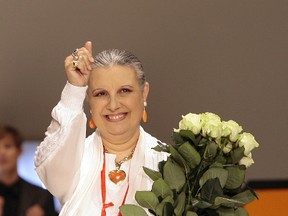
pixel 78 73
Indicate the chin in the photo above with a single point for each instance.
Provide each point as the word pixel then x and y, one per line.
pixel 117 131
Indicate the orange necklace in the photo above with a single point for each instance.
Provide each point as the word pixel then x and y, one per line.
pixel 103 189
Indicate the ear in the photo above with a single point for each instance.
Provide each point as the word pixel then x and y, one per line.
pixel 145 91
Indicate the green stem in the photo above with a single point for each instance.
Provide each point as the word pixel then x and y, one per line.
pixel 189 190
pixel 196 182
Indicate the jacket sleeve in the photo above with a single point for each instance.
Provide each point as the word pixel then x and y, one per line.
pixel 58 157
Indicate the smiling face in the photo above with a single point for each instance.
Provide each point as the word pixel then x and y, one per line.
pixel 9 153
pixel 116 101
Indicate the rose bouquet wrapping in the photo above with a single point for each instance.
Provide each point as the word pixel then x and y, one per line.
pixel 204 174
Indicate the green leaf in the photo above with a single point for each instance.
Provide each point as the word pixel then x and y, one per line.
pixel 237 154
pixel 177 138
pixel 147 199
pixel 188 134
pixel 173 175
pixel 241 212
pixel 236 177
pixel 161 188
pixel 132 210
pixel 161 147
pixel 225 212
pixel 180 204
pixel 203 141
pixel 210 190
pixel 189 213
pixel 216 165
pixel 161 165
pixel 202 204
pixel 160 206
pixel 190 154
pixel 227 202
pixel 220 159
pixel 194 202
pixel 210 150
pixel 254 193
pixel 169 199
pixel 245 197
pixel 168 209
pixel 154 175
pixel 211 212
pixel 212 173
pixel 179 159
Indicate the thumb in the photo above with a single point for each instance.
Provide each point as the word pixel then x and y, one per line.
pixel 88 46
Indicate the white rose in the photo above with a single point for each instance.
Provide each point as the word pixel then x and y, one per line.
pixel 191 122
pixel 227 148
pixel 177 130
pixel 247 160
pixel 248 141
pixel 212 128
pixel 207 116
pixel 231 129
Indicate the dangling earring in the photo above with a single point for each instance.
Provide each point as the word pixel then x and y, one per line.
pixel 92 124
pixel 145 115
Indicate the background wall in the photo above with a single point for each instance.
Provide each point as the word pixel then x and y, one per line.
pixel 227 57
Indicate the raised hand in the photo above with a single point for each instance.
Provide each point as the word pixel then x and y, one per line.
pixel 78 65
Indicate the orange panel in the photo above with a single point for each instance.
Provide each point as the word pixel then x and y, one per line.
pixel 271 202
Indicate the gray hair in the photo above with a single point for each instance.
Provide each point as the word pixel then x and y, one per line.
pixel 109 58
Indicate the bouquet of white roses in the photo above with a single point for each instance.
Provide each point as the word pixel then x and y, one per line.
pixel 204 174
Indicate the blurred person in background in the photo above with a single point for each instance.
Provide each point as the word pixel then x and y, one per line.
pixel 17 196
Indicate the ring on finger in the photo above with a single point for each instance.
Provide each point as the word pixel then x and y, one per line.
pixel 75 63
pixel 75 54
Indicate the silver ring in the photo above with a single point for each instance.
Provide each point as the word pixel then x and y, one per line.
pixel 75 63
pixel 75 54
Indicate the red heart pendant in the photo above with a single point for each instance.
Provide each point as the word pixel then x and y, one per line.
pixel 117 176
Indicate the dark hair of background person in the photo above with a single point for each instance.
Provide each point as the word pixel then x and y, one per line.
pixel 15 134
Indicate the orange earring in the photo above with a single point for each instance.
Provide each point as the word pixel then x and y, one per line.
pixel 92 124
pixel 145 115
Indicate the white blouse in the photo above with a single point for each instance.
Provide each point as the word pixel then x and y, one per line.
pixel 69 164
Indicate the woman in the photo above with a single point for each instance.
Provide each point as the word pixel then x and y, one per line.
pixel 96 175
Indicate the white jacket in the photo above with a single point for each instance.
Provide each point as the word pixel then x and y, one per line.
pixel 69 164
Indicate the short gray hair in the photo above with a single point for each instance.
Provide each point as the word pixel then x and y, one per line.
pixel 109 58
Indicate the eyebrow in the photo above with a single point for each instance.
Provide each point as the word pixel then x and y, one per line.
pixel 103 89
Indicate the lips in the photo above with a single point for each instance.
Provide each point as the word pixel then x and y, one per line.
pixel 116 117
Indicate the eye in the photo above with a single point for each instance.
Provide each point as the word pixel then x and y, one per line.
pixel 8 146
pixel 100 94
pixel 125 90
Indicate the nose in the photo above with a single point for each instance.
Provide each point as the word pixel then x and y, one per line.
pixel 113 103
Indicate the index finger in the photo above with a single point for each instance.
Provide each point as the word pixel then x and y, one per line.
pixel 88 46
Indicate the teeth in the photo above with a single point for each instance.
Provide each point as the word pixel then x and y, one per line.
pixel 115 117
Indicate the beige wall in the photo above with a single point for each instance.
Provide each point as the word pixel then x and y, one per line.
pixel 227 57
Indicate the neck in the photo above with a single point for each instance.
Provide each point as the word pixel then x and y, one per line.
pixel 122 148
pixel 9 178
